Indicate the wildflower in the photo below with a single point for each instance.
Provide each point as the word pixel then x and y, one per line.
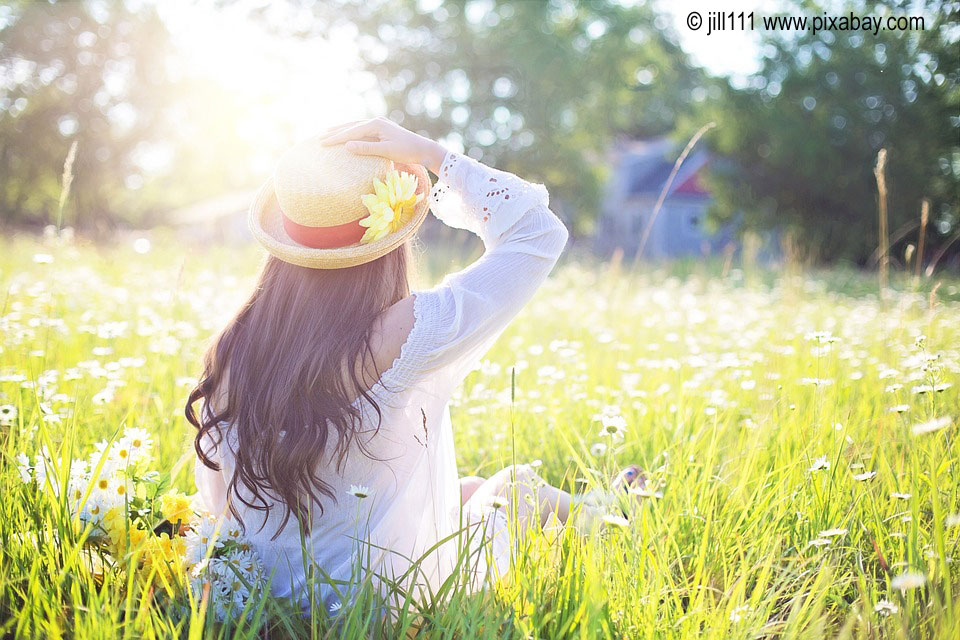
pixel 900 408
pixel 137 442
pixel 598 449
pixel 643 492
pixel 832 533
pixel 42 258
pixel 234 580
pixel 200 538
pixel 820 464
pixel 359 491
pixel 901 496
pixel 8 415
pixel 118 528
pixel 164 555
pixel 613 520
pixel 104 397
pixel 953 520
pixel 926 388
pixel 868 475
pixel 885 607
pixel 737 614
pixel 931 425
pixel 908 580
pixel 614 426
pixel 24 468
pixel 175 507
pixel 336 606
pixel 498 502
pixel 391 205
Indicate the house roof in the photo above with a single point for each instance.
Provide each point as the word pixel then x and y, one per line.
pixel 647 164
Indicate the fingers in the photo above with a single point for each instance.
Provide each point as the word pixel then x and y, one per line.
pixel 366 148
pixel 362 130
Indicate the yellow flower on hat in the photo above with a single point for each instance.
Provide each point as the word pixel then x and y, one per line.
pixel 391 205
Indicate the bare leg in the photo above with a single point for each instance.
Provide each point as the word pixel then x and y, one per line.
pixel 469 486
pixel 519 490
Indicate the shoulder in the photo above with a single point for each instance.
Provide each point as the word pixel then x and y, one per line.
pixel 389 333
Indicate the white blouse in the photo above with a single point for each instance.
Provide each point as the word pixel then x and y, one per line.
pixel 413 512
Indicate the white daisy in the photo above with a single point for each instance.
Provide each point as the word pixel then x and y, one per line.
pixel 613 520
pixel 24 468
pixel 8 415
pixel 885 608
pixel 819 542
pixel 498 502
pixel 908 580
pixel 359 491
pixel 931 425
pixel 820 464
pixel 614 426
pixel 199 540
pixel 737 614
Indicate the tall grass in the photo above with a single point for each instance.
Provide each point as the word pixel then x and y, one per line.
pixel 791 493
pixel 66 181
pixel 883 246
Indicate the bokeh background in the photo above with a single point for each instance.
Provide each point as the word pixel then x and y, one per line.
pixel 179 109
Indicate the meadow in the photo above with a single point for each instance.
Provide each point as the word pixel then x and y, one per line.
pixel 799 435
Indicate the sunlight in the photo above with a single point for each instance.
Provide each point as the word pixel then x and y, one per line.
pixel 280 88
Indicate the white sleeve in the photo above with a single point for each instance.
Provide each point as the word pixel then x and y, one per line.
pixel 458 320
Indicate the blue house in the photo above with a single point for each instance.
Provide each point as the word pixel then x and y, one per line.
pixel 641 169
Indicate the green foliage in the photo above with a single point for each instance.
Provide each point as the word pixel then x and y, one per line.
pixel 151 135
pixel 803 136
pixel 733 388
pixel 537 88
pixel 78 71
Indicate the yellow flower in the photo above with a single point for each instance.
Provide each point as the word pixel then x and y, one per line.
pixel 121 531
pixel 175 505
pixel 391 205
pixel 163 559
pixel 115 522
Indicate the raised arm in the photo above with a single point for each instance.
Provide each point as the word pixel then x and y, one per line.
pixel 458 320
pixel 453 324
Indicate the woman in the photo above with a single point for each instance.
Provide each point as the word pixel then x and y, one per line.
pixel 324 428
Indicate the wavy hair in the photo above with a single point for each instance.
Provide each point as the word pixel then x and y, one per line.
pixel 284 375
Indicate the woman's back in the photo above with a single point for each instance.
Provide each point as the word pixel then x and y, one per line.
pixel 402 453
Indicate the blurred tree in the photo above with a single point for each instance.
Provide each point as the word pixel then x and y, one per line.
pixel 538 88
pixel 803 136
pixel 88 71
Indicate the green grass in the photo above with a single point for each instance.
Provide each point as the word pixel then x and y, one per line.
pixel 729 402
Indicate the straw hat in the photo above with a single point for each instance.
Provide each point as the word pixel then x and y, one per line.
pixel 308 213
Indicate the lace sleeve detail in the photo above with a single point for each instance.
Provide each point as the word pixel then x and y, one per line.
pixel 472 196
pixel 457 320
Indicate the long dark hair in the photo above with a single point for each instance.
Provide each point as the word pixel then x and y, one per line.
pixel 284 374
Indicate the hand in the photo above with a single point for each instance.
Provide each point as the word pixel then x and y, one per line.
pixel 381 137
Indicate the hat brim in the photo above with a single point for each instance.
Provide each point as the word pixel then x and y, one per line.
pixel 266 224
